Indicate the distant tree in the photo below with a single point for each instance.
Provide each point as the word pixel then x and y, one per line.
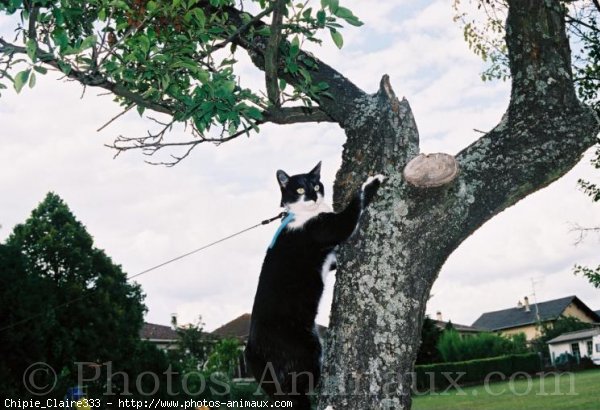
pixel 193 346
pixel 224 357
pixel 88 310
pixel 430 335
pixel 22 344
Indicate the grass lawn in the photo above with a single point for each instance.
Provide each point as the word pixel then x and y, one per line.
pixel 581 390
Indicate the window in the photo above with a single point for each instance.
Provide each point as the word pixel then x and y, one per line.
pixel 590 349
pixel 575 350
pixel 597 347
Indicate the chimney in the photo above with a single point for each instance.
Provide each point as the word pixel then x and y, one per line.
pixel 526 300
pixel 438 316
pixel 174 321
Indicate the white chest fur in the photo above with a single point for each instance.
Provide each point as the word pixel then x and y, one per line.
pixel 305 210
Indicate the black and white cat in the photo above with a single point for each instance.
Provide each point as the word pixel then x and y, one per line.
pixel 283 349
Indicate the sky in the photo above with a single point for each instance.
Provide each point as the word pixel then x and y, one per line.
pixel 142 215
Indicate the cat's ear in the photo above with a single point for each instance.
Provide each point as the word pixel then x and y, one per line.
pixel 282 178
pixel 316 171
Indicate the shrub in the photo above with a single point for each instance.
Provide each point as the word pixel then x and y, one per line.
pixel 434 376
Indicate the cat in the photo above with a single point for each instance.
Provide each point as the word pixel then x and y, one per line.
pixel 283 349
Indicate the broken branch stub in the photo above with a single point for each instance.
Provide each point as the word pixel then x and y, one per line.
pixel 431 170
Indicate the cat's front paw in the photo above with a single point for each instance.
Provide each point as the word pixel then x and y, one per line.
pixel 379 178
pixel 370 187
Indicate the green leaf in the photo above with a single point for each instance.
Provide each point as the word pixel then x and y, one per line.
pixel 21 79
pixel 64 67
pixel 334 5
pixel 337 38
pixel 87 42
pixel 32 80
pixel 102 14
pixel 229 86
pixel 295 47
pixel 343 12
pixel 321 17
pixel 31 49
pixel 354 21
pixel 144 43
pixel 200 16
pixel 151 6
pixel 264 31
pixel 322 85
pixel 254 113
pixel 325 3
pixel 202 75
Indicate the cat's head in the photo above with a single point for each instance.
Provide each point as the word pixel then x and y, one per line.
pixel 302 192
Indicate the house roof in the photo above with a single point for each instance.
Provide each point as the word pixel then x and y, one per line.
pixel 240 328
pixel 597 312
pixel 518 316
pixel 460 328
pixel 578 335
pixel 151 331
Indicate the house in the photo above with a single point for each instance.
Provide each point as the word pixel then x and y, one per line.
pixel 164 337
pixel 582 343
pixel 463 331
pixel 526 318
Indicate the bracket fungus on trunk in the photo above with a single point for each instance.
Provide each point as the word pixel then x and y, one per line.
pixel 431 170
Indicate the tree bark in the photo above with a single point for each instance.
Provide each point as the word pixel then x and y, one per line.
pixel 386 271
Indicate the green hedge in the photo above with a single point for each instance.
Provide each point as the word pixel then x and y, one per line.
pixel 431 376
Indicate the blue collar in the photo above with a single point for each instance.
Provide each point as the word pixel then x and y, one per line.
pixel 289 218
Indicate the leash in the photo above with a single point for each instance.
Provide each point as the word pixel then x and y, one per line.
pixel 265 222
pixel 64 304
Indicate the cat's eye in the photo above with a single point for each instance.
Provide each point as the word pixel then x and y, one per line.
pixel 317 188
pixel 300 190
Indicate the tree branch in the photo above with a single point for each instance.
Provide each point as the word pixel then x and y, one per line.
pixel 272 54
pixel 92 80
pixel 345 93
pixel 546 129
pixel 154 142
pixel 33 15
pixel 291 115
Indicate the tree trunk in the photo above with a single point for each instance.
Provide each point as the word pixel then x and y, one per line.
pixel 386 271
